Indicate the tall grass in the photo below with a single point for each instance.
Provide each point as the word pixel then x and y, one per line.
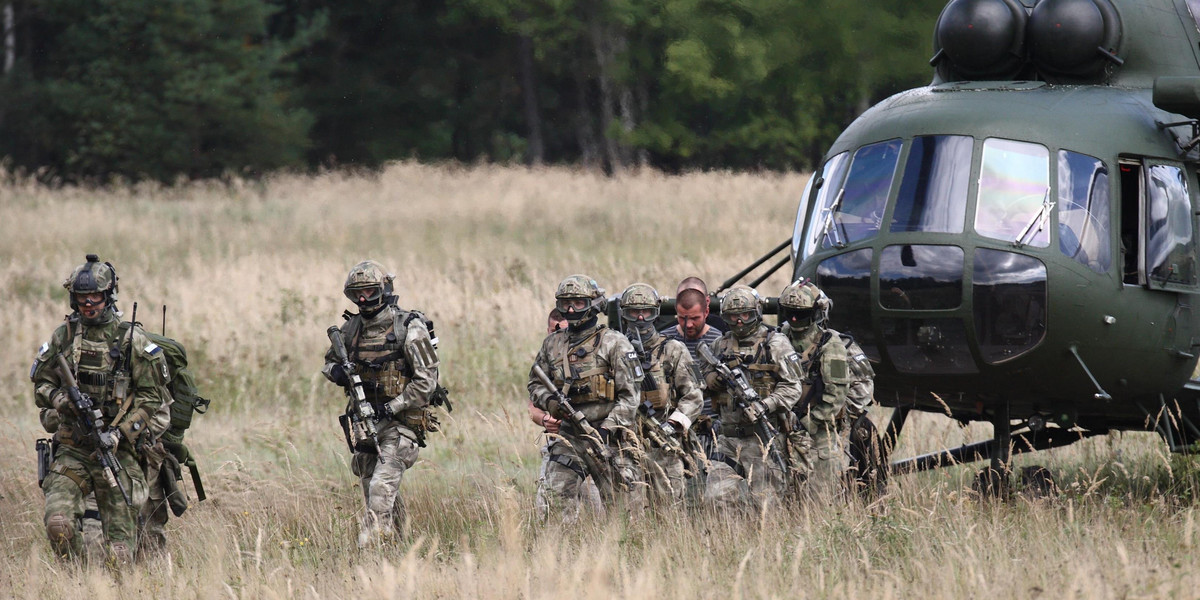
pixel 252 273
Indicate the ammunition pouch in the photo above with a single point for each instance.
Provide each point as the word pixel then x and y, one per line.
pixel 420 421
pixel 387 380
pixel 656 397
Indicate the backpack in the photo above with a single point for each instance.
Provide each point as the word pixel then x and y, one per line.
pixel 188 401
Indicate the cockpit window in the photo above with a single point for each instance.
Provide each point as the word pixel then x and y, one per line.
pixel 1170 252
pixel 933 189
pixel 1194 8
pixel 1083 200
pixel 1009 297
pixel 821 225
pixel 1014 193
pixel 853 211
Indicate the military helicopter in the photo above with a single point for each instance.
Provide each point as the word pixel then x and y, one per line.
pixel 1016 242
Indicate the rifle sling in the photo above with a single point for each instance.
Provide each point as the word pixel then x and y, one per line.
pixel 570 464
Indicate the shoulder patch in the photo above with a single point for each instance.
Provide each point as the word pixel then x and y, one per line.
pixel 152 348
pixel 791 366
pixel 424 354
pixel 635 365
pixel 43 351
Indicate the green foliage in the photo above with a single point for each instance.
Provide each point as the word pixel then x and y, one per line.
pixel 150 89
pixel 135 88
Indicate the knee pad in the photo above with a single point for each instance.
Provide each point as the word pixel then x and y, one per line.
pixel 60 529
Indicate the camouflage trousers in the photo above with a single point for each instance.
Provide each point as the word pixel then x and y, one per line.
pixel 588 493
pixel 380 476
pixel 829 460
pixel 561 485
pixel 665 476
pixel 759 484
pixel 73 475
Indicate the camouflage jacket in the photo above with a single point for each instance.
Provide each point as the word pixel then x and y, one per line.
pixel 97 356
pixel 826 370
pixel 393 353
pixel 771 366
pixel 672 369
pixel 597 369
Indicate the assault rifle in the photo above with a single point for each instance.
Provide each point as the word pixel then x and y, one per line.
pixel 104 437
pixel 656 431
pixel 600 455
pixel 745 397
pixel 360 415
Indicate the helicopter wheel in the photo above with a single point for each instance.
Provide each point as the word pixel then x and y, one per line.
pixel 868 460
pixel 992 483
pixel 1037 482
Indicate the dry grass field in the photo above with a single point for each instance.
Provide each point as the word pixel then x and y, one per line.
pixel 251 274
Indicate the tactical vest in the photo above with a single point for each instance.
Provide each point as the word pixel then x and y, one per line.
pixel 98 371
pixel 662 397
pixel 380 356
pixel 761 371
pixel 585 379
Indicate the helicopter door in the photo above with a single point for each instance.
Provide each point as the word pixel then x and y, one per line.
pixel 1131 222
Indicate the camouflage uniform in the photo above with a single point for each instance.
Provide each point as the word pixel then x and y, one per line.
pixel 128 402
pixel 392 351
pixel 827 379
pixel 745 475
pixel 597 369
pixel 670 392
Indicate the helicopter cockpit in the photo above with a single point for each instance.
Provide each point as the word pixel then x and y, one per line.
pixel 935 248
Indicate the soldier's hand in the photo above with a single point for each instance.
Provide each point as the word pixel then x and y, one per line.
pixel 339 374
pixel 756 410
pixel 550 424
pixel 606 436
pixel 62 403
pixel 110 438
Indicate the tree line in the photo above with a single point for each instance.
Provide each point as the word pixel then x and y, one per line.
pixel 164 89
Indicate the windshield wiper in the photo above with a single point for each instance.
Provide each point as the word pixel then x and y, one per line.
pixel 830 228
pixel 1038 219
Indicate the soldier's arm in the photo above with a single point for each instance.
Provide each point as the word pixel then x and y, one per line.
pixel 835 371
pixel 627 382
pixel 331 361
pixel 44 372
pixel 687 389
pixel 787 390
pixel 418 347
pixel 539 394
pixel 148 386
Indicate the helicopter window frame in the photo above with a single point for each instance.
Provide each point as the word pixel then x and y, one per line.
pixel 934 184
pixel 831 175
pixel 1012 192
pixel 802 213
pixel 1168 228
pixel 852 202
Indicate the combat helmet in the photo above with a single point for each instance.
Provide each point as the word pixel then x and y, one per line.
pixel 368 285
pixel 573 289
pixel 91 277
pixel 739 300
pixel 639 305
pixel 802 304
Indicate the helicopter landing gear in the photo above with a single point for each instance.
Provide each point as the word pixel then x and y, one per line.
pixel 995 481
pixel 1037 483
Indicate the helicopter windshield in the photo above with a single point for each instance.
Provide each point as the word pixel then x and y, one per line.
pixel 934 185
pixel 852 210
pixel 1014 181
pixel 1083 220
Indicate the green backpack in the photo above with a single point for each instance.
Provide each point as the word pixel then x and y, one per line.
pixel 188 401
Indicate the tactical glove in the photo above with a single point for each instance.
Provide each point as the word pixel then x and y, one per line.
pixel 110 438
pixel 339 374
pixel 606 436
pixel 62 403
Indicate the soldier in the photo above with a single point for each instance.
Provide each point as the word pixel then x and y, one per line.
pixel 828 375
pixel 598 372
pixel 747 470
pixel 391 349
pixel 125 378
pixel 671 397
